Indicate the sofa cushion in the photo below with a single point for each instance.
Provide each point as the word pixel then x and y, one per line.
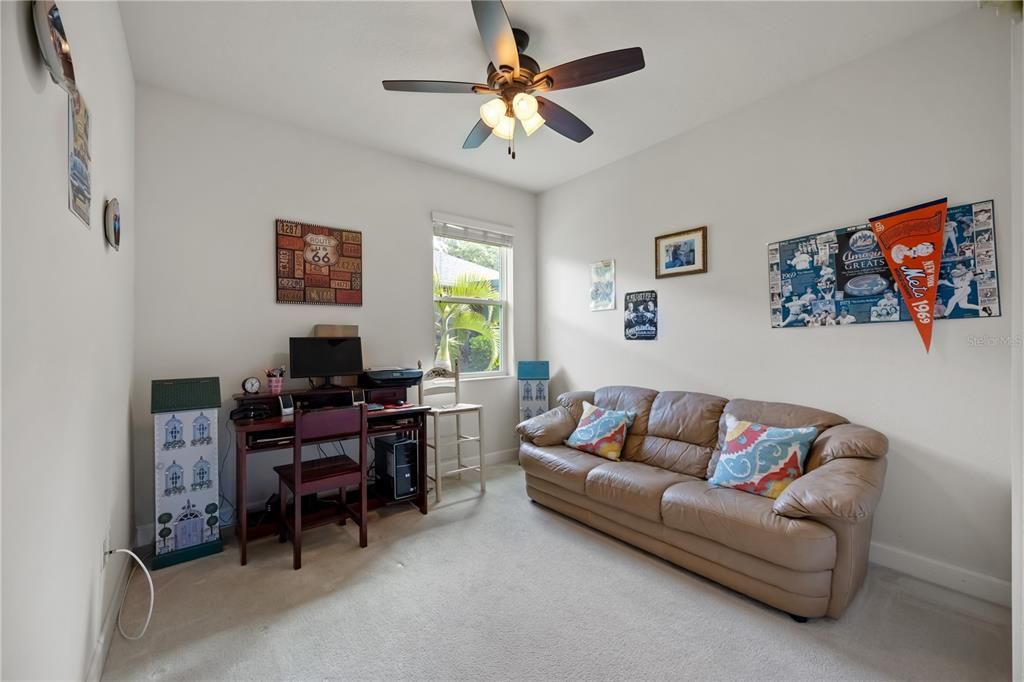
pixel 632 487
pixel 786 415
pixel 558 464
pixel 748 524
pixel 549 428
pixel 682 432
pixel 631 399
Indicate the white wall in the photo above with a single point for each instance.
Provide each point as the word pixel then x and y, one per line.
pixel 67 348
pixel 907 124
pixel 1017 368
pixel 211 181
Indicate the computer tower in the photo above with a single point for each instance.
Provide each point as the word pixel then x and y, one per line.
pixel 395 466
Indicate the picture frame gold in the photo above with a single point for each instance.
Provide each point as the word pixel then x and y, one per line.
pixel 681 253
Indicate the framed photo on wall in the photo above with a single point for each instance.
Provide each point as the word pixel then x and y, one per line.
pixel 681 253
pixel 602 285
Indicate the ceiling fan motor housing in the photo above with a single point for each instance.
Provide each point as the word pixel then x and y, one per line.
pixel 505 82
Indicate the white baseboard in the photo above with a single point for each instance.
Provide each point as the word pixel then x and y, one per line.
pixel 99 653
pixel 502 456
pixel 946 575
pixel 490 458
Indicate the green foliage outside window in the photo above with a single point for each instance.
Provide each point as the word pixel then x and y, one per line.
pixel 469 332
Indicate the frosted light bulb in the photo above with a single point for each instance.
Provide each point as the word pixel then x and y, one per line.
pixel 530 125
pixel 506 128
pixel 524 105
pixel 492 111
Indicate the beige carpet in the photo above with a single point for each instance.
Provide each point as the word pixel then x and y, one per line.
pixel 501 588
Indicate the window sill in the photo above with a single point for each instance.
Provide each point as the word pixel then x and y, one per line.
pixel 485 377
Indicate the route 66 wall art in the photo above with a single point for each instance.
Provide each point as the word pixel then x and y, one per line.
pixel 318 265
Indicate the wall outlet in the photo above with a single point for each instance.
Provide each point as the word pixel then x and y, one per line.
pixel 106 550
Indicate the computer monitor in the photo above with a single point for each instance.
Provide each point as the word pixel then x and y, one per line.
pixel 317 356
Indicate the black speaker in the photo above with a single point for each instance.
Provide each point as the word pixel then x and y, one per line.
pixel 395 466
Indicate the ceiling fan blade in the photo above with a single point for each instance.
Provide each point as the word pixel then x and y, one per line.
pixel 450 87
pixel 563 121
pixel 496 31
pixel 480 132
pixel 592 69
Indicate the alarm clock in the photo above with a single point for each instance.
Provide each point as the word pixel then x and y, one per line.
pixel 251 385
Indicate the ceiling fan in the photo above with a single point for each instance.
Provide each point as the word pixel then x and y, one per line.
pixel 514 77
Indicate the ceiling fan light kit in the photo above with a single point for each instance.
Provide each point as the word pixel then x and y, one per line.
pixel 513 77
pixel 506 128
pixel 532 124
pixel 492 111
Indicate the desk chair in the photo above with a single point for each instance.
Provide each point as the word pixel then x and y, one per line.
pixel 446 381
pixel 321 475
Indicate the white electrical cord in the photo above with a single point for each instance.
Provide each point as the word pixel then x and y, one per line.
pixel 124 597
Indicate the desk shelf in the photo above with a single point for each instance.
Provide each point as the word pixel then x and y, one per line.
pixel 331 512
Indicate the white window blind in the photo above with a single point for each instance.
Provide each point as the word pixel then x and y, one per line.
pixel 481 235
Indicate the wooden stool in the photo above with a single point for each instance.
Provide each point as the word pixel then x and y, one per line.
pixel 446 381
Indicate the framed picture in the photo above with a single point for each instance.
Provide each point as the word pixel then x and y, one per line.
pixel 79 158
pixel 641 315
pixel 602 285
pixel 681 253
pixel 318 265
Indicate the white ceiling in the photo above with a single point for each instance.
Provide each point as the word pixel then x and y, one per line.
pixel 319 65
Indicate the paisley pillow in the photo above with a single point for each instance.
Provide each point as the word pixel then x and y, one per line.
pixel 762 459
pixel 601 432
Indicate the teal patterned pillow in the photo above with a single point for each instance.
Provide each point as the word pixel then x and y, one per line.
pixel 601 432
pixel 762 459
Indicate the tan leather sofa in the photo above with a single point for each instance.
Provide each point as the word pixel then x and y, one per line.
pixel 804 553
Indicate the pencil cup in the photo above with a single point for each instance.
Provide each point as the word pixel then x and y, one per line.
pixel 275 384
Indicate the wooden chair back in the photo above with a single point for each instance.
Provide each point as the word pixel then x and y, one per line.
pixel 326 423
pixel 440 381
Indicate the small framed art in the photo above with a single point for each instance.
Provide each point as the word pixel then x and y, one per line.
pixel 602 285
pixel 681 253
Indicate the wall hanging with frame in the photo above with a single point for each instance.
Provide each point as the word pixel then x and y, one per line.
pixel 641 315
pixel 602 285
pixel 841 276
pixel 681 253
pixel 318 265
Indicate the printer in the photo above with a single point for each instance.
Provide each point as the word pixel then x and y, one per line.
pixel 390 377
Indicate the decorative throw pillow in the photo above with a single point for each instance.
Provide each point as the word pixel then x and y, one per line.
pixel 601 432
pixel 762 459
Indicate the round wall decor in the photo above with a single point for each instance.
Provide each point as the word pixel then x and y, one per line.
pixel 112 223
pixel 53 43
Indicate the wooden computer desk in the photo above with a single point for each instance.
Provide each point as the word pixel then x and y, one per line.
pixel 408 419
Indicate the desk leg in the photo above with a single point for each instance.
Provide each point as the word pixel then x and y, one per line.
pixel 241 514
pixel 421 450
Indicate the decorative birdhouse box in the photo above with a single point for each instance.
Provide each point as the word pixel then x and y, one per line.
pixel 533 378
pixel 185 469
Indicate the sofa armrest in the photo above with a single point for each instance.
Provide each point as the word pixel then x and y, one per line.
pixel 845 489
pixel 847 440
pixel 550 428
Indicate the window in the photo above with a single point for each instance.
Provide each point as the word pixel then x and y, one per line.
pixel 471 284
